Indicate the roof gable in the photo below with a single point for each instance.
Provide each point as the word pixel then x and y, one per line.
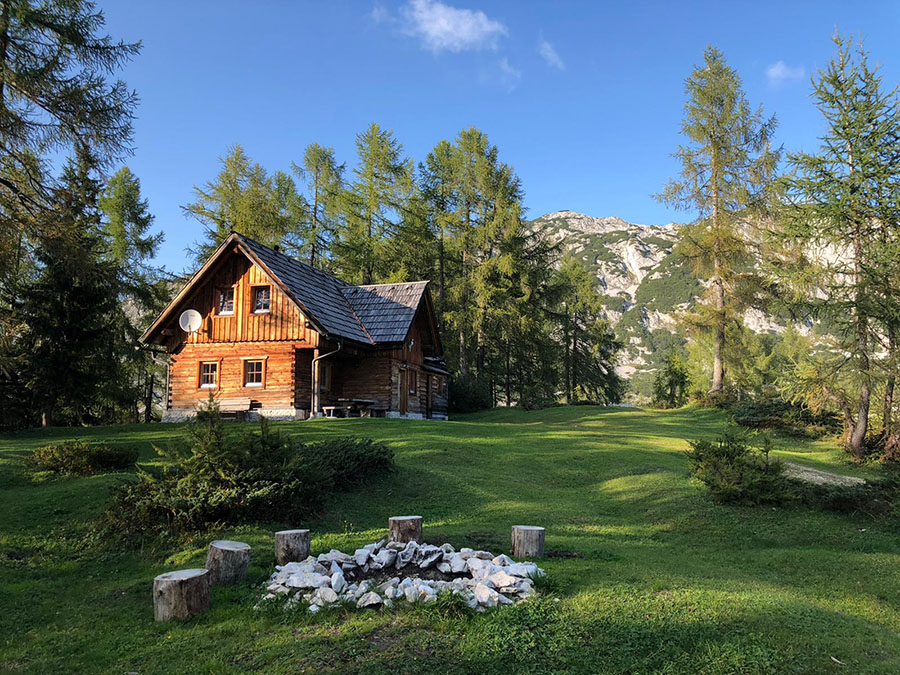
pixel 370 315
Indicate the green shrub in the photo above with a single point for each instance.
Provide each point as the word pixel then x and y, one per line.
pixel 216 479
pixel 736 472
pixel 469 394
pixel 82 459
pixel 783 416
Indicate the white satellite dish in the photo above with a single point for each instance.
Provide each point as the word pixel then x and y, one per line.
pixel 190 321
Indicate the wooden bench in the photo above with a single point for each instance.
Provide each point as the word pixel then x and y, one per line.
pixel 238 407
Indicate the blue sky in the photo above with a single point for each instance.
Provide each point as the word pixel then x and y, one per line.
pixel 584 99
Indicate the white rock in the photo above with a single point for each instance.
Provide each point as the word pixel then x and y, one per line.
pixel 444 568
pixel 338 582
pixel 503 580
pixel 527 570
pixel 458 564
pixel 314 608
pixel 484 555
pixel 395 545
pixel 325 596
pixel 447 548
pixel 308 580
pixel 406 556
pixel 361 556
pixel 503 559
pixel 335 568
pixel 385 558
pixel 485 596
pixel 430 557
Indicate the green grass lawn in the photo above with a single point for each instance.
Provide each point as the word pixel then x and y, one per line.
pixel 667 581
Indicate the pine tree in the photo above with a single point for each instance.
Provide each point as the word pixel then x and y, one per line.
pixel 727 171
pixel 844 197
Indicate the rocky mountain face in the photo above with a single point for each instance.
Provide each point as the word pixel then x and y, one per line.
pixel 645 283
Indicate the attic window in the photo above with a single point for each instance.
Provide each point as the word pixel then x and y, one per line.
pixel 226 301
pixel 261 299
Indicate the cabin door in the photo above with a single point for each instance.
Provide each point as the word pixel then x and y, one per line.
pixel 428 397
pixel 404 391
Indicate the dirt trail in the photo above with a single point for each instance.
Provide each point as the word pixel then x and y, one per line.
pixel 819 477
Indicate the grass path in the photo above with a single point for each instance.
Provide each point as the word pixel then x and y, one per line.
pixel 668 581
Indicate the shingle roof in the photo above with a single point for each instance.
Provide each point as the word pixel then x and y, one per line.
pixel 386 310
pixel 368 314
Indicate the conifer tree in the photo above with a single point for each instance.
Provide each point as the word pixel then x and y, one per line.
pixel 244 198
pixel 324 183
pixel 727 171
pixel 373 205
pixel 844 197
pixel 55 96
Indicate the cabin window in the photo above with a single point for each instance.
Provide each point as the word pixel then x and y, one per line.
pixel 261 299
pixel 226 301
pixel 253 373
pixel 412 381
pixel 209 374
pixel 325 376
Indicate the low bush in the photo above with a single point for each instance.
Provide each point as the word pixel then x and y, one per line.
pixel 737 472
pixel 469 394
pixel 216 479
pixel 82 459
pixel 782 416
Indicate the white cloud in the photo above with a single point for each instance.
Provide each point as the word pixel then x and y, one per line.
pixel 380 13
pixel 781 73
pixel 549 54
pixel 441 27
pixel 509 76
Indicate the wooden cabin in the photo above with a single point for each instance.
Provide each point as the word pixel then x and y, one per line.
pixel 279 338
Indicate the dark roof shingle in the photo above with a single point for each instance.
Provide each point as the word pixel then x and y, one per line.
pixel 374 314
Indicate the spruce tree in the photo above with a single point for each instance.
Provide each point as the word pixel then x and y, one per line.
pixel 727 172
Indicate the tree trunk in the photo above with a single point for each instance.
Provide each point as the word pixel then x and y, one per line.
pixel 718 381
pixel 227 562
pixel 567 353
pixel 291 546
pixel 507 383
pixel 181 594
pixel 527 541
pixel 887 419
pixel 463 358
pixel 404 529
pixel 148 402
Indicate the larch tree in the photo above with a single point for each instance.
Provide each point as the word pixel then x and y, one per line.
pixel 244 198
pixel 727 172
pixel 373 205
pixel 323 177
pixel 843 199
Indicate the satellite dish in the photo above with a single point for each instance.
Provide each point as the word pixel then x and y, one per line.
pixel 190 321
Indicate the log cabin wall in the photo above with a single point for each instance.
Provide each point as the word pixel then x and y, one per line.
pixel 283 321
pixel 277 390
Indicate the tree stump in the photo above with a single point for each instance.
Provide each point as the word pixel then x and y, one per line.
pixel 404 529
pixel 181 594
pixel 291 546
pixel 227 562
pixel 527 541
